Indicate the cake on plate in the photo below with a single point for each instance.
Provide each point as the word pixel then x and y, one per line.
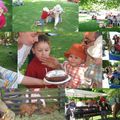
pixel 56 76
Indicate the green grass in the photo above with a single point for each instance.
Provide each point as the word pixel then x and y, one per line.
pixel 8 15
pixel 86 24
pixel 25 16
pixel 54 116
pixel 6 60
pixel 90 25
pixel 108 116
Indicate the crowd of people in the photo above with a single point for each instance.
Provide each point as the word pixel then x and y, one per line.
pixel 100 106
pixel 112 76
pixel 113 20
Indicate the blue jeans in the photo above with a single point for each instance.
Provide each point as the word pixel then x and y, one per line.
pixel 42 22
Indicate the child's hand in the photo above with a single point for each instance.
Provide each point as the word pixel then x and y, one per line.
pixel 51 62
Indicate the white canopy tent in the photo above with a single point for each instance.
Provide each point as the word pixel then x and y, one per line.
pixel 82 93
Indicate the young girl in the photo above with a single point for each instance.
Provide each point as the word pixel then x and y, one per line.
pixel 36 69
pixel 44 15
pixel 3 10
pixel 74 66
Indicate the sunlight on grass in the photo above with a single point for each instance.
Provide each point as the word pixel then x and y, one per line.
pixel 23 21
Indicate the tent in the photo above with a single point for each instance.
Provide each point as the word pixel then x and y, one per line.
pixel 82 93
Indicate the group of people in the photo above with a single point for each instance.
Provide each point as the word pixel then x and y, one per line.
pixel 87 74
pixel 83 61
pixel 102 106
pixel 112 77
pixel 113 20
pixel 51 15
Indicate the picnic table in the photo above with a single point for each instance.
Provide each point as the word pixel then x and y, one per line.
pixel 87 112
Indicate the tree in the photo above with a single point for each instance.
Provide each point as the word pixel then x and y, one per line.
pixel 101 4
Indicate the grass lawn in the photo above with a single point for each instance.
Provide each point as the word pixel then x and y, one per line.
pixel 8 26
pixel 25 16
pixel 8 60
pixel 54 116
pixel 109 117
pixel 86 24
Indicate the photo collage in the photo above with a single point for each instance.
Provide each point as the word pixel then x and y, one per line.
pixel 43 79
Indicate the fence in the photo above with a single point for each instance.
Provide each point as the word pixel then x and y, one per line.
pixel 14 98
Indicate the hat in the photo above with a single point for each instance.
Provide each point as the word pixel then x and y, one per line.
pixel 78 50
pixel 46 9
pixel 3 6
pixel 95 51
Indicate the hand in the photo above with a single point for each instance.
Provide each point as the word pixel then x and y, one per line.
pixel 51 62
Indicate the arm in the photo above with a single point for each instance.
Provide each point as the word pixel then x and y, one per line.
pixel 32 81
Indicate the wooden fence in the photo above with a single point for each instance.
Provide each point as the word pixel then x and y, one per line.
pixel 14 98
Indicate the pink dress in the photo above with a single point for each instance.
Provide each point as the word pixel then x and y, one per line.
pixel 2 21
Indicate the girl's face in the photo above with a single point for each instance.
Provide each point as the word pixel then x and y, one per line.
pixel 74 60
pixel 28 38
pixel 1 10
pixel 41 49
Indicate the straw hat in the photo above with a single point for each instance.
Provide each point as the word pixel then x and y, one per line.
pixel 46 9
pixel 3 6
pixel 95 51
pixel 78 50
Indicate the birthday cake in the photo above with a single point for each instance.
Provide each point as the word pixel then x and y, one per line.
pixel 56 76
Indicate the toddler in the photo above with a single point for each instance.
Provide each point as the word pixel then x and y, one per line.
pixel 74 66
pixel 44 16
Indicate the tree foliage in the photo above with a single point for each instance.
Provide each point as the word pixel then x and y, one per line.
pixel 7 37
pixel 104 4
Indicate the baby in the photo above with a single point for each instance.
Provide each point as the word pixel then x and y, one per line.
pixel 74 66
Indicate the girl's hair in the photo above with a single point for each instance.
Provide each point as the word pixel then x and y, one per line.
pixel 42 38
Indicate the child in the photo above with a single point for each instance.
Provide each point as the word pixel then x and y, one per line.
pixel 94 71
pixel 57 11
pixel 3 10
pixel 36 68
pixel 74 66
pixel 44 15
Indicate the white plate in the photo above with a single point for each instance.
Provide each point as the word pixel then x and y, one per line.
pixel 61 82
